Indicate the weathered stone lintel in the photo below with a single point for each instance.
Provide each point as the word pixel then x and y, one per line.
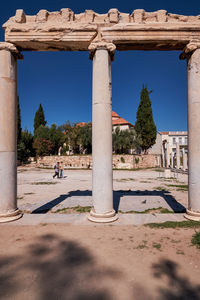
pixel 10 47
pixel 113 16
pixel 102 45
pixel 189 49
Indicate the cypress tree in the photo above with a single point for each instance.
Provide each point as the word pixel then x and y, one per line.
pixel 145 126
pixel 39 118
pixel 19 129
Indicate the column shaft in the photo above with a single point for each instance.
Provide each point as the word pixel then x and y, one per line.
pixel 102 179
pixel 8 105
pixel 194 135
pixel 172 160
pixel 168 155
pixel 177 156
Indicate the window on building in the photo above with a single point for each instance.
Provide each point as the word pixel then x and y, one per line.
pixel 186 140
pixel 180 140
pixel 174 140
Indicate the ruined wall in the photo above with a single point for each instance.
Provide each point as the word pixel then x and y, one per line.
pixel 85 161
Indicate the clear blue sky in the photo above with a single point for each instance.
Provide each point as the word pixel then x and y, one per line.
pixel 62 81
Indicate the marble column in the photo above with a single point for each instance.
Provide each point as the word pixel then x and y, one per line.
pixel 8 127
pixel 163 155
pixel 184 159
pixel 102 174
pixel 178 156
pixel 193 211
pixel 167 155
pixel 172 160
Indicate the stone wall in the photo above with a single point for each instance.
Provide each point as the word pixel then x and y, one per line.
pixel 85 161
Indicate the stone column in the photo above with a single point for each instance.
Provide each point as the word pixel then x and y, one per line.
pixel 163 155
pixel 102 174
pixel 177 156
pixel 184 160
pixel 172 160
pixel 193 211
pixel 167 156
pixel 8 127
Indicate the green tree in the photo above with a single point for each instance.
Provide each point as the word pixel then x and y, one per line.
pixel 52 137
pixel 19 129
pixel 85 138
pixel 39 118
pixel 145 127
pixel 43 146
pixel 78 138
pixel 25 146
pixel 124 140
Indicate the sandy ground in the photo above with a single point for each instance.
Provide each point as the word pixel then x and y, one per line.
pixel 100 262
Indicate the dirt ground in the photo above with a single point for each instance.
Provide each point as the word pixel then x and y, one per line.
pixel 98 262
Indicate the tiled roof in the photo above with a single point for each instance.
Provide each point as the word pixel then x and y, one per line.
pixel 81 124
pixel 120 121
pixel 173 132
pixel 164 132
pixel 114 114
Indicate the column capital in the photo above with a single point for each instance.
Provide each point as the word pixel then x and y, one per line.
pixel 189 49
pixel 102 45
pixel 12 48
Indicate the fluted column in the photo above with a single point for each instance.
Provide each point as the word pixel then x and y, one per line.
pixel 193 68
pixel 102 174
pixel 8 127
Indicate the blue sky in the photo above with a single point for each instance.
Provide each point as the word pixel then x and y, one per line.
pixel 62 81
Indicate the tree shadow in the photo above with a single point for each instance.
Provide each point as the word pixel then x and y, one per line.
pixel 117 195
pixel 174 286
pixel 54 268
pixel 178 287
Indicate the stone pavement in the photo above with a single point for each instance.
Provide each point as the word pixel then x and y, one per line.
pixel 40 197
pixel 81 219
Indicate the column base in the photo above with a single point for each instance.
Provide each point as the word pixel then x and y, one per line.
pixel 191 215
pixel 9 217
pixel 102 218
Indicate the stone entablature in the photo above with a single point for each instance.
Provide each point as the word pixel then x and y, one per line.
pixel 65 30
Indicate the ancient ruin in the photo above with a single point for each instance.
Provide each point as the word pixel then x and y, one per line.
pixel 101 35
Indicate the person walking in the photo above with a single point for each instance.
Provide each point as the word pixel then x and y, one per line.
pixel 56 169
pixel 61 170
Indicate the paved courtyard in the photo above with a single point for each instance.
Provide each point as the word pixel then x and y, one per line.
pixel 137 195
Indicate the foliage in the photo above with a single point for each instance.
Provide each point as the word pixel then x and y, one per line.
pixel 124 140
pixel 43 146
pixel 25 146
pixel 196 240
pixel 19 129
pixel 39 118
pixel 145 126
pixel 122 159
pixel 52 137
pixel 174 224
pixel 78 139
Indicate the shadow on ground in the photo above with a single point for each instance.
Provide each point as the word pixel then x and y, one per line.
pixel 117 195
pixel 52 268
pixel 170 284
